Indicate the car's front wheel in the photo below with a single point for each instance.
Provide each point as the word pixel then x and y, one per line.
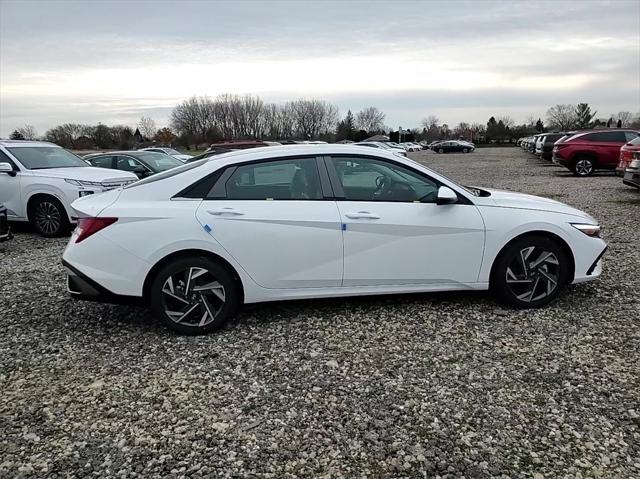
pixel 440 150
pixel 194 295
pixel 530 272
pixel 48 217
pixel 465 150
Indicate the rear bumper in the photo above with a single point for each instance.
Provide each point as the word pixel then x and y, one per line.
pixel 80 286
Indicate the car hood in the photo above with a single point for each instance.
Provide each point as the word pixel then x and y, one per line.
pixel 510 199
pixel 88 173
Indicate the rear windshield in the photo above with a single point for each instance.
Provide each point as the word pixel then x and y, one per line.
pixel 41 157
pixel 635 141
pixel 169 173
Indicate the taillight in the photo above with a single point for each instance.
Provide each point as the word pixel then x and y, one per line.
pixel 625 155
pixel 89 226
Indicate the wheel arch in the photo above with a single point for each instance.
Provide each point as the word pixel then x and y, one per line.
pixel 547 234
pixel 187 253
pixel 44 194
pixel 585 154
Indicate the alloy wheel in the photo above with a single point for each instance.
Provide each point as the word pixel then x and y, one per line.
pixel 533 274
pixel 584 167
pixel 47 217
pixel 192 297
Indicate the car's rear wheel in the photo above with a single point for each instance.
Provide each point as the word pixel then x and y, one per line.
pixel 48 217
pixel 583 166
pixel 530 272
pixel 465 150
pixel 440 150
pixel 194 295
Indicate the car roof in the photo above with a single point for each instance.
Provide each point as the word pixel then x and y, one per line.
pixel 14 143
pixel 300 150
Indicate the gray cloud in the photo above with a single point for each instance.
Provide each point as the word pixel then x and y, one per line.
pixel 532 47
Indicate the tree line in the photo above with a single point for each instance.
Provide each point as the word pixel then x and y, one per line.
pixel 202 119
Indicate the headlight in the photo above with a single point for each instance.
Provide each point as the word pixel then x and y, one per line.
pixel 589 230
pixel 82 182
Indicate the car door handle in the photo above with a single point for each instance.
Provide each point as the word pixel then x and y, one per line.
pixel 362 215
pixel 224 211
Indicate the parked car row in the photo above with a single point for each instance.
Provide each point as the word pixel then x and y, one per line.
pixel 584 152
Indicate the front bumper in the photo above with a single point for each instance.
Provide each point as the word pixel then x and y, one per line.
pixel 6 236
pixel 5 230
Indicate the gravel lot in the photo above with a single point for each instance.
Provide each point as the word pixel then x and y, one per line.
pixel 445 385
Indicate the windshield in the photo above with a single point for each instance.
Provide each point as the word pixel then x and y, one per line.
pixel 40 157
pixel 159 161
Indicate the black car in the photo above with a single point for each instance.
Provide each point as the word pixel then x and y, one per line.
pixel 547 144
pixel 5 231
pixel 142 163
pixel 453 147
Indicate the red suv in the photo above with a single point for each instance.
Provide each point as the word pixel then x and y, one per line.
pixel 587 151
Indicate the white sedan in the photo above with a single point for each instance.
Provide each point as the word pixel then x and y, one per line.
pixel 280 223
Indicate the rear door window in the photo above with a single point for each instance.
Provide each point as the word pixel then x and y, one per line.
pixel 290 179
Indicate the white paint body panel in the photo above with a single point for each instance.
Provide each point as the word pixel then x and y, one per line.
pixel 411 243
pixel 293 249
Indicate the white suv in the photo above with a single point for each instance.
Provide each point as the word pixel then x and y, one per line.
pixel 40 180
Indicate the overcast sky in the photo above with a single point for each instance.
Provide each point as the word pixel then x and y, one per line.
pixel 114 61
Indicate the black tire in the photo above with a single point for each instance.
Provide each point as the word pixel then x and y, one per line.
pixel 440 150
pixel 206 311
pixel 583 166
pixel 511 283
pixel 48 217
pixel 465 150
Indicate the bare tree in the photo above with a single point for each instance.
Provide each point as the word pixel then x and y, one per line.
pixel 370 119
pixel 28 132
pixel 430 122
pixel 562 117
pixel 313 117
pixel 626 117
pixel 147 127
pixel 507 121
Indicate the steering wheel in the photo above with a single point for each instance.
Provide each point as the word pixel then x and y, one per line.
pixel 382 184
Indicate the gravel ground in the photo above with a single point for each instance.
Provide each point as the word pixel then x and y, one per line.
pixel 445 385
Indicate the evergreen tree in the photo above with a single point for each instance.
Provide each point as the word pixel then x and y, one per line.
pixel 584 116
pixel 539 126
pixel 16 135
pixel 492 129
pixel 346 129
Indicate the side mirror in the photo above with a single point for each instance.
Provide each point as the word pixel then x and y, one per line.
pixel 446 196
pixel 7 168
